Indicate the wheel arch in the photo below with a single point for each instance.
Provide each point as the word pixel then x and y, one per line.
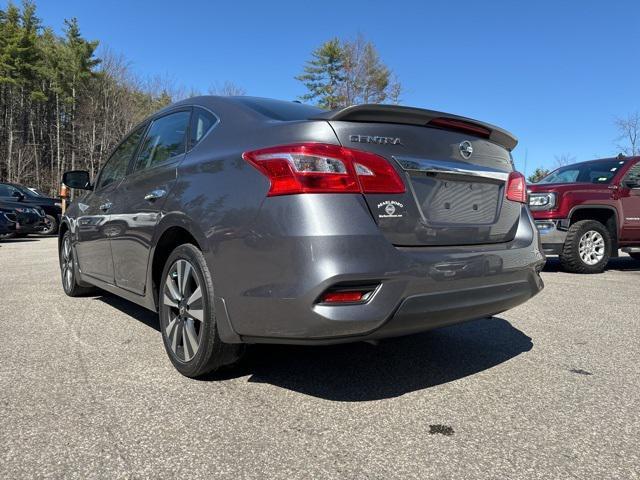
pixel 173 231
pixel 62 229
pixel 605 214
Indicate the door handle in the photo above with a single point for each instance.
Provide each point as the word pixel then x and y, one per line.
pixel 154 195
pixel 105 206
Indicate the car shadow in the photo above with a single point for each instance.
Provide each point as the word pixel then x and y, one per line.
pixel 141 314
pixel 358 372
pixel 622 264
pixel 17 240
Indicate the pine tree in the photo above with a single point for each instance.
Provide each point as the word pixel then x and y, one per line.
pixel 324 74
pixel 537 175
pixel 347 73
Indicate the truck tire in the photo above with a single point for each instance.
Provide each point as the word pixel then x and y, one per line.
pixel 587 247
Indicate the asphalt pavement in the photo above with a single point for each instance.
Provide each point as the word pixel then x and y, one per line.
pixel 550 389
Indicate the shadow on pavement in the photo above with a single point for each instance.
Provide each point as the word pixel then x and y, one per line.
pixel 360 371
pixel 149 318
pixel 622 264
pixel 17 240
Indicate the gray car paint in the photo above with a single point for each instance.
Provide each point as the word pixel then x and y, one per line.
pixel 272 257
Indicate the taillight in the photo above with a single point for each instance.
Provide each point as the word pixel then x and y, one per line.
pixel 322 168
pixel 516 188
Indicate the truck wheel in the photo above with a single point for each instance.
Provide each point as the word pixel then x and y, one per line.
pixel 587 247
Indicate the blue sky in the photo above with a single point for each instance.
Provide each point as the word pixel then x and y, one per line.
pixel 555 73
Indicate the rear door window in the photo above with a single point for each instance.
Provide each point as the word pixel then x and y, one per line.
pixel 165 140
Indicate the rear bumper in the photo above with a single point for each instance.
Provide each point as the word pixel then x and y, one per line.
pixel 420 288
pixel 553 234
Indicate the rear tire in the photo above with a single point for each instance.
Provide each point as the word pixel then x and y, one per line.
pixel 587 247
pixel 51 226
pixel 69 270
pixel 187 315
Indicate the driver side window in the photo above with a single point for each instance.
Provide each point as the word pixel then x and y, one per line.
pixel 633 175
pixel 116 167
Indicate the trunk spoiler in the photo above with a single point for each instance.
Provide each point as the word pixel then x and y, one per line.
pixel 418 116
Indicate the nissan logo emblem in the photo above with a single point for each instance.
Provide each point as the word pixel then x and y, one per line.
pixel 466 149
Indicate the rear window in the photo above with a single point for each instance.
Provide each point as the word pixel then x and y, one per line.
pixel 601 171
pixel 278 109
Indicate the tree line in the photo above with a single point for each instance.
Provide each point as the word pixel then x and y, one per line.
pixel 63 106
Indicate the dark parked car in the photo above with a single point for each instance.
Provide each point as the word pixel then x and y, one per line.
pixel 17 219
pixel 587 211
pixel 246 220
pixel 12 192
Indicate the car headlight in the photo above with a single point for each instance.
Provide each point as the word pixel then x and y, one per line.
pixel 58 204
pixel 542 201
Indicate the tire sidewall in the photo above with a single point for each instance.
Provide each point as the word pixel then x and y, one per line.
pixel 65 238
pixel 576 263
pixel 209 336
pixel 54 226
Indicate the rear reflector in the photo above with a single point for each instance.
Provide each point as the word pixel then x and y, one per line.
pixel 516 188
pixel 460 126
pixel 342 297
pixel 322 168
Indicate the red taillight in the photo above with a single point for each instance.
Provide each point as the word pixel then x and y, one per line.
pixel 321 168
pixel 517 188
pixel 342 297
pixel 461 126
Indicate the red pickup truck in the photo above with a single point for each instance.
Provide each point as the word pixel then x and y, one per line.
pixel 587 211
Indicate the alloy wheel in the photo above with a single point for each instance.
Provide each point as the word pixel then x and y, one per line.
pixel 183 312
pixel 67 265
pixel 48 227
pixel 591 247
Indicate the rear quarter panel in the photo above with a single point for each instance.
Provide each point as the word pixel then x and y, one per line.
pixel 218 195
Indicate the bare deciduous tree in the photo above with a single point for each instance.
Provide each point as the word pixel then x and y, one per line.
pixel 564 159
pixel 629 130
pixel 227 89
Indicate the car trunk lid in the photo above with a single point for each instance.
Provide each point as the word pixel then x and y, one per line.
pixel 455 174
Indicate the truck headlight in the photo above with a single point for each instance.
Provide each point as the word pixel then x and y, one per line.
pixel 542 201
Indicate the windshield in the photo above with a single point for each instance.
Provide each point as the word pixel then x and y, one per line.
pixel 25 191
pixel 601 171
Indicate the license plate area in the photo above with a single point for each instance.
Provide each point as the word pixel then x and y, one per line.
pixel 449 200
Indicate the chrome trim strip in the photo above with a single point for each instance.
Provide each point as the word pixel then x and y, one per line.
pixel 449 167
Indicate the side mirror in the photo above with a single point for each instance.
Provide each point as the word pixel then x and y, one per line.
pixel 18 195
pixel 77 179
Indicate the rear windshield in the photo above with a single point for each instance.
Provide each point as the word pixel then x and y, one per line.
pixel 278 109
pixel 601 171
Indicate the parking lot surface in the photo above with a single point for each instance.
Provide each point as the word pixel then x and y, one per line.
pixel 550 389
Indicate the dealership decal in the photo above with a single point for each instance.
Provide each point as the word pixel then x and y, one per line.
pixel 390 209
